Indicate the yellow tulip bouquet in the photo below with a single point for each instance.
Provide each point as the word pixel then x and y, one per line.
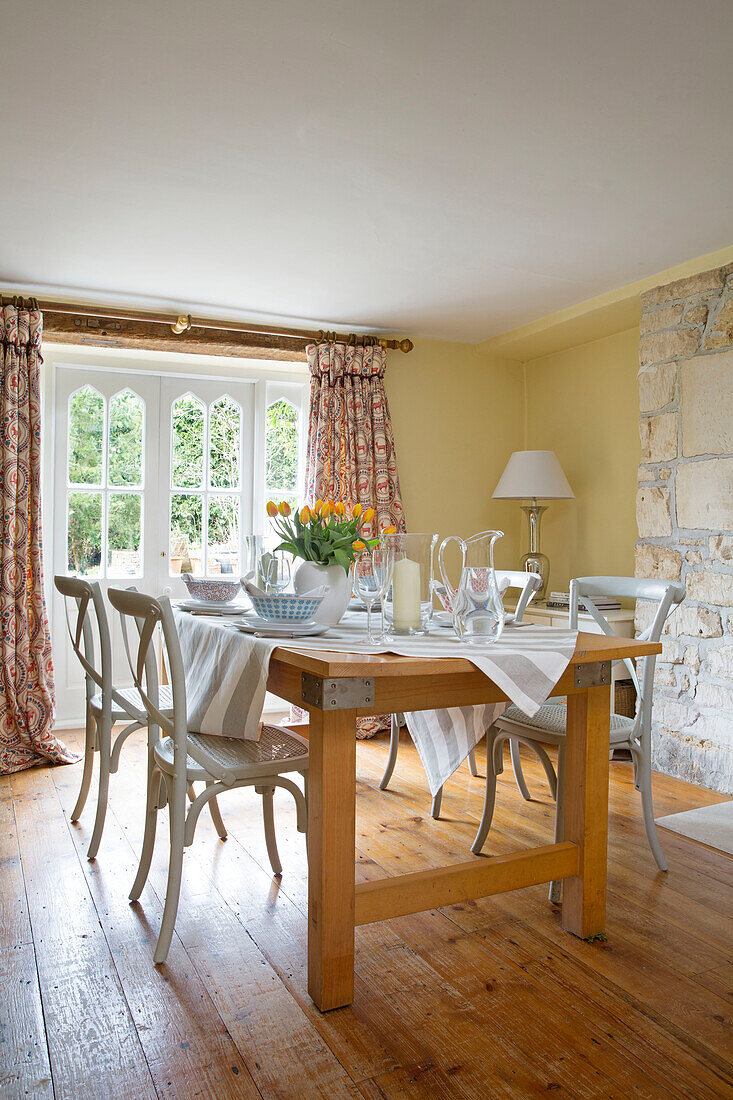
pixel 327 533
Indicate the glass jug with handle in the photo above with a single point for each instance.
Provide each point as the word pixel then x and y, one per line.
pixel 476 605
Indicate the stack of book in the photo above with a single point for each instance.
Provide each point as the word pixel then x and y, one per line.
pixel 560 601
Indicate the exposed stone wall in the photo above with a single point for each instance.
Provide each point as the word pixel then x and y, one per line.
pixel 685 518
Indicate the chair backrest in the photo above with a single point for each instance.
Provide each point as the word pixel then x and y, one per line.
pixel 145 613
pixel 88 598
pixel 527 583
pixel 665 594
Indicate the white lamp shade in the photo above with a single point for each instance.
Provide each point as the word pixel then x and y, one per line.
pixel 533 474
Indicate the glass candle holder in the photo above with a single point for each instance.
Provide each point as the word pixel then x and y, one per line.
pixel 408 606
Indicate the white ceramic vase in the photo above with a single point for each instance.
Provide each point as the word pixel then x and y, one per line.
pixel 310 575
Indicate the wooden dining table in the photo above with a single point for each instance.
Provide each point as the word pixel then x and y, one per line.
pixel 337 688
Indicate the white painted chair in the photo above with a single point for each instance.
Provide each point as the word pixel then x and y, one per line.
pixel 181 758
pixel 528 584
pixel 106 705
pixel 548 727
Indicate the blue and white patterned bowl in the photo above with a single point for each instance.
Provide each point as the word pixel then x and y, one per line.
pixel 286 608
pixel 210 591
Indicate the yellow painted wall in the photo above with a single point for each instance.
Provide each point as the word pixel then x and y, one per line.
pixel 457 416
pixel 583 404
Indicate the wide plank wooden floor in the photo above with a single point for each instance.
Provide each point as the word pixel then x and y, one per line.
pixel 487 999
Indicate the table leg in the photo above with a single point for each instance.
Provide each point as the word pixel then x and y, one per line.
pixel 331 854
pixel 586 809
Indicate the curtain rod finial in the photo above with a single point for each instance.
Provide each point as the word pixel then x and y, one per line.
pixel 405 345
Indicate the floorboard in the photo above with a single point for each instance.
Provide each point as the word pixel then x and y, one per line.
pixel 490 998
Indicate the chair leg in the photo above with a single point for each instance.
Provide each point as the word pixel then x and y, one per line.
pixel 216 817
pixel 151 822
pixel 90 741
pixel 104 733
pixel 644 786
pixel 493 768
pixel 394 744
pixel 269 820
pixel 177 812
pixel 547 765
pixel 517 769
pixel 437 799
pixel 472 767
pixel 556 886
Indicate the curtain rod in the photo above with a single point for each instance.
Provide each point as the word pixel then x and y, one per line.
pixel 183 322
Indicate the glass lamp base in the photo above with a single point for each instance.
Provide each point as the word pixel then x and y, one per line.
pixel 538 563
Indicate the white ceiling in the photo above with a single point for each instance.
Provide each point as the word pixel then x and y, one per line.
pixel 447 169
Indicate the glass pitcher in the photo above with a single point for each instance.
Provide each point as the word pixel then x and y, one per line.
pixel 476 605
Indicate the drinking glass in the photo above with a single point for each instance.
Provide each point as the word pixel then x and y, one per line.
pixel 274 569
pixel 372 578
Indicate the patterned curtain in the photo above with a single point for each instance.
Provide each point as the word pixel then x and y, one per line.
pixel 351 451
pixel 26 671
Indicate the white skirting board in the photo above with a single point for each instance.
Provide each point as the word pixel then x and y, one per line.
pixel 712 825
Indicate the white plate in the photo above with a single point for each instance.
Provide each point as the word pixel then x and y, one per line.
pixel 229 607
pixel 253 624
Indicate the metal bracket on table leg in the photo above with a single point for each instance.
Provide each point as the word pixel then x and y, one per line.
pixel 337 693
pixel 592 675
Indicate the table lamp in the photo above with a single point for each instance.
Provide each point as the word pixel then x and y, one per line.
pixel 532 475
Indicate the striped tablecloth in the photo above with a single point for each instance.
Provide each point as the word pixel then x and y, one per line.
pixel 226 679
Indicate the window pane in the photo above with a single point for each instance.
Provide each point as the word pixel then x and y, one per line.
pixel 125 439
pixel 86 430
pixel 84 526
pixel 186 527
pixel 188 443
pixel 224 535
pixel 123 535
pixel 281 448
pixel 224 435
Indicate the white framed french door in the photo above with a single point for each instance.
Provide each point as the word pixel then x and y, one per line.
pixel 154 473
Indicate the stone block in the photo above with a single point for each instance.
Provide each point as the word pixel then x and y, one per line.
pixel 655 319
pixel 671 651
pixel 644 616
pixel 664 677
pixel 698 315
pixel 658 347
pixel 656 386
pixel 706 385
pixel 652 513
pixel 719 662
pixel 692 658
pixel 720 330
pixel 689 621
pixel 707 763
pixel 658 561
pixel 693 557
pixel 712 695
pixel 704 494
pixel 646 475
pixel 658 437
pixel 716 588
pixel 720 547
pixel 664 474
pixel 684 288
pixel 673 715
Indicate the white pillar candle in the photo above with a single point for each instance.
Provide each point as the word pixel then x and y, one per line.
pixel 406 595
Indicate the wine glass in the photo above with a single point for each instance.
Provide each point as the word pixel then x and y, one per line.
pixel 372 578
pixel 274 569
